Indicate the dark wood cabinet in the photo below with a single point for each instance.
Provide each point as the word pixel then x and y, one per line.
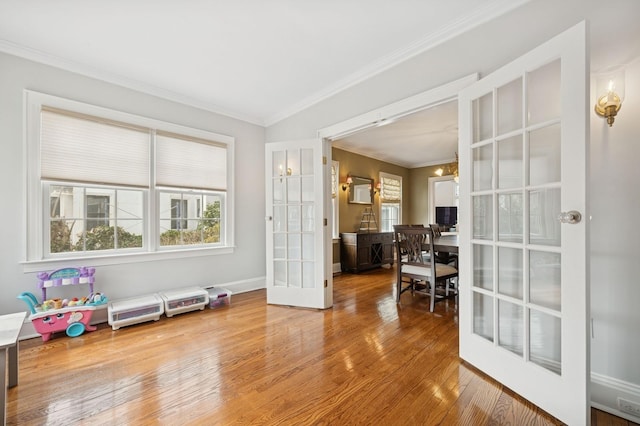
pixel 362 251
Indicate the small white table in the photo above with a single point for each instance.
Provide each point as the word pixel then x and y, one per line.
pixel 10 326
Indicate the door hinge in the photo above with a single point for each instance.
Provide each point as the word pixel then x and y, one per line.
pixel 324 159
pixel 326 283
pixel 325 221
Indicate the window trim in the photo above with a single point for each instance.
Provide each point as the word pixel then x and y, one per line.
pixel 399 202
pixel 33 243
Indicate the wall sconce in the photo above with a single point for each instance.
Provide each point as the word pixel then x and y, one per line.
pixel 377 188
pixel 347 183
pixel 609 95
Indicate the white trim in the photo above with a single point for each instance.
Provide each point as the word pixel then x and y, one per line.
pixel 33 249
pixel 491 11
pixel 606 390
pixel 430 98
pixel 431 200
pixel 337 268
pixel 119 80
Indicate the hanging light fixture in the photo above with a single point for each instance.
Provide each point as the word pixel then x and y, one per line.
pixel 452 169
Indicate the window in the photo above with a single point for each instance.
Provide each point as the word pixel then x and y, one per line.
pixel 335 172
pixel 107 182
pixel 390 201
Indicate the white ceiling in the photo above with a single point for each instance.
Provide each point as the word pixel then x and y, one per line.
pixel 258 60
pixel 264 60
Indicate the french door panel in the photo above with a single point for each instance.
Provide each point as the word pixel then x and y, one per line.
pixel 524 291
pixel 295 203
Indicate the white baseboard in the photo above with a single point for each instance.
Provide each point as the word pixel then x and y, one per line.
pixel 337 268
pixel 100 315
pixel 605 392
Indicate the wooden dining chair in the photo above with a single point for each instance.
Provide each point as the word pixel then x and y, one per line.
pixel 416 274
pixel 443 257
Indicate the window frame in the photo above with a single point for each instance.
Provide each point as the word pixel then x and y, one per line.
pixel 33 247
pixel 383 202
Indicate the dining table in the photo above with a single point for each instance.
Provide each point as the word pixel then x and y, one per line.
pixel 446 243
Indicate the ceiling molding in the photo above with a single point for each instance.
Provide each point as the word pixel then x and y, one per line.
pixel 490 11
pixel 129 83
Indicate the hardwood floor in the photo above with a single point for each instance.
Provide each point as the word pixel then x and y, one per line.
pixel 366 361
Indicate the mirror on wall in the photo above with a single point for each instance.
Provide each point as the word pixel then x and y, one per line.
pixel 360 190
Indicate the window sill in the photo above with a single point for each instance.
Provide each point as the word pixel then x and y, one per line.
pixel 118 259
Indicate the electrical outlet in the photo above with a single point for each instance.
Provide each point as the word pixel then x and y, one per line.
pixel 629 406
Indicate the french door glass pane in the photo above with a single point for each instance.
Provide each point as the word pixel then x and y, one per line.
pixel 483 118
pixel 510 217
pixel 279 245
pixel 510 326
pixel 307 247
pixel 544 93
pixel 294 274
pixel 278 165
pixel 293 189
pixel 544 208
pixel 510 162
pixel 544 346
pixel 544 279
pixel 293 162
pixel 280 273
pixel 510 107
pixel 293 219
pixel 510 272
pixel 483 315
pixel 307 275
pixel 483 266
pixel 544 155
pixel 482 167
pixel 483 217
pixel 294 250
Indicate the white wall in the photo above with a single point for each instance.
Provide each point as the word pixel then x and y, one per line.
pixel 615 250
pixel 245 267
pixel 615 169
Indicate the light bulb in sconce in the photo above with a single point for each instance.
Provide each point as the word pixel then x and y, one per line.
pixel 439 171
pixel 377 190
pixel 347 184
pixel 609 95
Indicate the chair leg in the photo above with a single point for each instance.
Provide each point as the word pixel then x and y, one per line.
pixel 432 294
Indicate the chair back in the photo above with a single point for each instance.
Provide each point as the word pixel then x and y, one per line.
pixel 436 229
pixel 411 243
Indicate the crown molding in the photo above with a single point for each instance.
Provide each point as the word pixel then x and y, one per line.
pixel 129 83
pixel 490 11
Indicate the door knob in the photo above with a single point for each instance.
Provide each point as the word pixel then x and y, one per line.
pixel 570 217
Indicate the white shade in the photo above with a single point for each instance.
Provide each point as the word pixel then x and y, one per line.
pixel 190 163
pixel 390 189
pixel 76 147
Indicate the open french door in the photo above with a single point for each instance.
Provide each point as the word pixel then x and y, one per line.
pixel 524 302
pixel 298 254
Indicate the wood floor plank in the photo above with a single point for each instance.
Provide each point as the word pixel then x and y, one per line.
pixel 367 360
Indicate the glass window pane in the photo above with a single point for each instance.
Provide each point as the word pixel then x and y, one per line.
pixel 129 233
pixel 280 273
pixel 544 347
pixel 307 189
pixel 544 155
pixel 510 162
pixel 294 249
pixel 510 272
pixel 509 107
pixel 307 247
pixel 308 222
pixel 483 266
pixel 293 162
pixel 544 208
pixel 279 219
pixel 510 326
pixel 544 279
pixel 278 163
pixel 308 278
pixel 510 217
pixel 294 274
pixel 293 219
pixel 482 167
pixel 279 245
pixel 279 185
pixel 293 190
pixel 483 315
pixel 483 217
pixel 543 93
pixel 483 118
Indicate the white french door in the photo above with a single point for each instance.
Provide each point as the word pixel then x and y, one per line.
pixel 524 304
pixel 297 259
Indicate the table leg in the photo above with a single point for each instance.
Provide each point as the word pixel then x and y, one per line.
pixel 3 386
pixel 12 363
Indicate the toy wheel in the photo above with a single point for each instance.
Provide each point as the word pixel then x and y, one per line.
pixel 75 329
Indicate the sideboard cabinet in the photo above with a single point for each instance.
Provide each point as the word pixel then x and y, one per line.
pixel 362 251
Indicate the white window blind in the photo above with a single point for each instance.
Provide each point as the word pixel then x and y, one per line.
pixel 81 148
pixel 334 181
pixel 190 163
pixel 390 189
